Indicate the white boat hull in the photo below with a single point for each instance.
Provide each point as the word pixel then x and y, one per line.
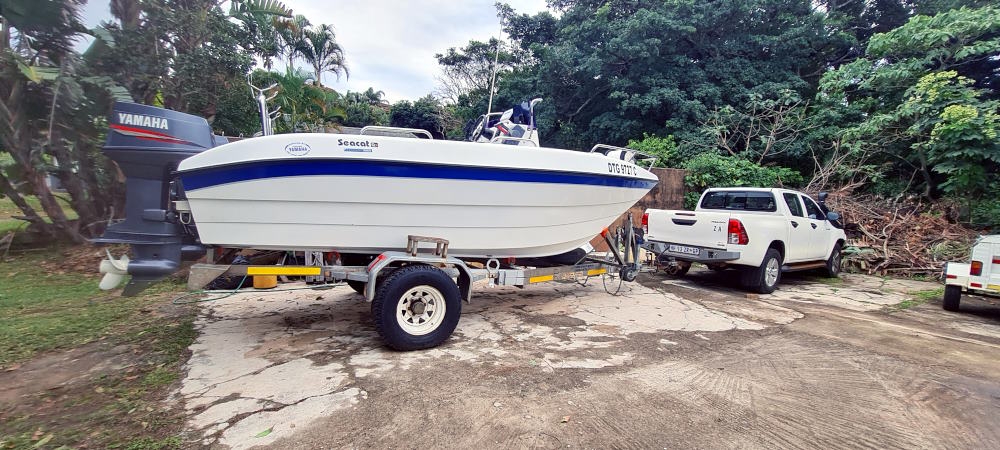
pixel 487 200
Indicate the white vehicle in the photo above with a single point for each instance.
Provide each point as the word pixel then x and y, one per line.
pixel 981 275
pixel 760 231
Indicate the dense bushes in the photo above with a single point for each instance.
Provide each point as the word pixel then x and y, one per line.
pixel 713 170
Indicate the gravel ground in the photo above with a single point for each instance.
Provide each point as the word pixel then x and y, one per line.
pixel 688 363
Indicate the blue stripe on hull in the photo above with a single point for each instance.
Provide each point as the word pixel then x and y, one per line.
pixel 256 170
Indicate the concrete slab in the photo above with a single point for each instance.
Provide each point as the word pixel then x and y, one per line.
pixel 669 363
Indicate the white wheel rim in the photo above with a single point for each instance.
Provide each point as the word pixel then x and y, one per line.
pixel 771 272
pixel 420 310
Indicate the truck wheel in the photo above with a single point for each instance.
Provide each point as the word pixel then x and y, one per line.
pixel 833 262
pixel 358 286
pixel 952 297
pixel 764 279
pixel 416 307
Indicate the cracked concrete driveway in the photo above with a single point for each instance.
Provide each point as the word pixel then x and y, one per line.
pixel 668 364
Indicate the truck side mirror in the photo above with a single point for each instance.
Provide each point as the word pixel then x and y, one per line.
pixel 832 216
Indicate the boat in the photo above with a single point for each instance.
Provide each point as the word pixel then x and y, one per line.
pixel 498 195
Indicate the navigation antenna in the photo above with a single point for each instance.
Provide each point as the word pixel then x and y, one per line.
pixel 266 117
pixel 493 79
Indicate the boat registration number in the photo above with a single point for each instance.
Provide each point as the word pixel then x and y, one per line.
pixel 684 249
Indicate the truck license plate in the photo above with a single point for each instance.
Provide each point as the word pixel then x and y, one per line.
pixel 684 249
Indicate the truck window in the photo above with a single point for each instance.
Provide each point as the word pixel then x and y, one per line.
pixel 792 201
pixel 739 201
pixel 813 209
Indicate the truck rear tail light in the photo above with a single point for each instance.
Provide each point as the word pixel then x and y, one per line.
pixel 645 223
pixel 737 234
pixel 977 268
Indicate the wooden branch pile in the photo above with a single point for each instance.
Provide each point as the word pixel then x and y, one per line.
pixel 903 238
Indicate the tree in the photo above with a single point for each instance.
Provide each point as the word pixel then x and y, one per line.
pixel 291 34
pixel 914 96
pixel 612 70
pixel 261 20
pixel 47 118
pixel 467 72
pixel 320 48
pixel 424 114
pixel 304 105
pixel 763 128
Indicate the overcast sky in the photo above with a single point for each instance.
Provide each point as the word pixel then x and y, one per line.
pixel 389 44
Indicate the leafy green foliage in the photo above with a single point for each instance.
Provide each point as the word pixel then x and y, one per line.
pixel 612 70
pixel 424 114
pixel 320 48
pixel 709 170
pixel 663 148
pixel 914 99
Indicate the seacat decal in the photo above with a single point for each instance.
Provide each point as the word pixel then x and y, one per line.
pixel 142 120
pixel 365 146
pixel 298 148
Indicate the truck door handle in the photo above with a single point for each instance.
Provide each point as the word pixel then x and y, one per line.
pixel 814 225
pixel 795 224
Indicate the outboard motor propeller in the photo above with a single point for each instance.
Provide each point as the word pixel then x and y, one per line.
pixel 148 143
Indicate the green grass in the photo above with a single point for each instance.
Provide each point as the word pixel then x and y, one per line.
pixel 8 210
pixel 920 297
pixel 124 409
pixel 41 311
pixel 835 281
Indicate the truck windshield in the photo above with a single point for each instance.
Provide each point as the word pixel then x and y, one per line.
pixel 739 200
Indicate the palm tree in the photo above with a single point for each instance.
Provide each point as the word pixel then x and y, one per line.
pixel 375 98
pixel 320 48
pixel 291 33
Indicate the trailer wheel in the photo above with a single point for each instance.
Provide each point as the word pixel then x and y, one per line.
pixel 358 286
pixel 833 262
pixel 952 297
pixel 764 279
pixel 416 307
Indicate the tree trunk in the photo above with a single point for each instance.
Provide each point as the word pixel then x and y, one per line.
pixel 30 215
pixel 929 185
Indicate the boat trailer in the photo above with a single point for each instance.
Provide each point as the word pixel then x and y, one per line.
pixel 416 295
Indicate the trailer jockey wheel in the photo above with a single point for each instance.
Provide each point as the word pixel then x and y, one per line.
pixel 416 307
pixel 628 273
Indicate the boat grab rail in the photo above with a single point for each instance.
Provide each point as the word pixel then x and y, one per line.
pixel 414 131
pixel 498 139
pixel 637 156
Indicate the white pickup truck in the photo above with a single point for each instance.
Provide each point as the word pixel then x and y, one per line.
pixel 980 276
pixel 762 232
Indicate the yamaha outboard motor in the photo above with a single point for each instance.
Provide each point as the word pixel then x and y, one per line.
pixel 148 143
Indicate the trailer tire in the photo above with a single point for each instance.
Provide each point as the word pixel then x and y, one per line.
pixel 358 286
pixel 416 307
pixel 764 279
pixel 952 297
